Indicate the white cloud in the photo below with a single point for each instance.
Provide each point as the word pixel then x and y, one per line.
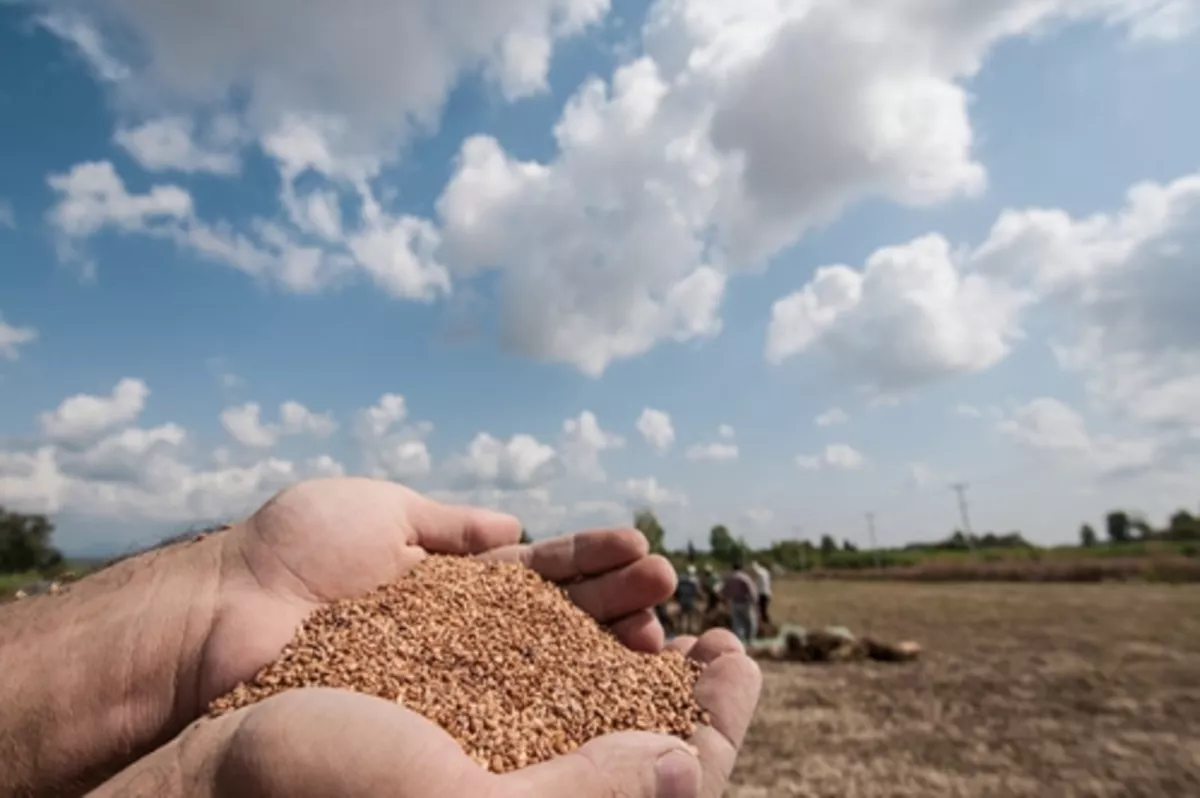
pixel 835 457
pixel 581 443
pixel 92 196
pixel 680 169
pixel 657 430
pixel 13 338
pixel 296 419
pixel 79 32
pixel 1051 427
pixel 725 432
pixel 386 69
pixel 909 317
pixel 31 482
pixel 324 466
pixel 714 452
pixel 832 417
pixel 377 420
pixel 245 425
pixel 520 462
pixel 8 217
pixel 169 143
pixel 575 290
pixel 81 417
pixel 390 448
pixel 647 492
pixel 124 456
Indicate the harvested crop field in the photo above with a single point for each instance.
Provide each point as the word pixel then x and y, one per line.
pixel 1022 690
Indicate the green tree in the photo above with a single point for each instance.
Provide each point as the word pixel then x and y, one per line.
pixel 1184 526
pixel 849 547
pixel 1087 536
pixel 525 536
pixel 828 545
pixel 647 523
pixel 1117 526
pixel 25 543
pixel 722 544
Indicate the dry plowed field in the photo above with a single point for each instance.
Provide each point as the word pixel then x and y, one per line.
pixel 1038 690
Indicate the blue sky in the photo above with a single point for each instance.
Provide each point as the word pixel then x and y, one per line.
pixel 640 227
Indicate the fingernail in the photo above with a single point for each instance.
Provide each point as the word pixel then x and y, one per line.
pixel 677 774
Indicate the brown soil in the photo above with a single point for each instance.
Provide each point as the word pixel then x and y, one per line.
pixel 1031 690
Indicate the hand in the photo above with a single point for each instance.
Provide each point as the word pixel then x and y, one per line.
pixel 332 539
pixel 339 744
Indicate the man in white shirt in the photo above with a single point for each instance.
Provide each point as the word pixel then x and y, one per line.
pixel 762 580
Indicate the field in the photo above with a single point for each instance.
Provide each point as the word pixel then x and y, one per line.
pixel 1024 689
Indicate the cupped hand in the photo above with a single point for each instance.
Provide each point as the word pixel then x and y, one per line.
pixel 340 744
pixel 331 539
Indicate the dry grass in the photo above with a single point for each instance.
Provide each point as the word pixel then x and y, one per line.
pixel 1023 690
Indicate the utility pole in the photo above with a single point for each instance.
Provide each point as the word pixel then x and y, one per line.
pixel 871 534
pixel 961 489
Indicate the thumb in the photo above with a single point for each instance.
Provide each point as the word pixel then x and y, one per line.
pixel 624 765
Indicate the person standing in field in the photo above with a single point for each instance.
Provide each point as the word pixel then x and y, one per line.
pixel 762 580
pixel 712 588
pixel 686 593
pixel 742 596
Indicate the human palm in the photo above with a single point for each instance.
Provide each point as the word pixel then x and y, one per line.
pixel 332 539
pixel 336 743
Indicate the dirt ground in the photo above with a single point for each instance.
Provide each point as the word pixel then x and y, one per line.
pixel 1040 690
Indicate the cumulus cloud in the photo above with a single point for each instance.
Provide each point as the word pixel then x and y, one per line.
pixel 92 196
pixel 721 450
pixel 910 316
pixel 647 492
pixel 832 417
pixel 94 463
pixel 581 444
pixel 386 69
pixel 519 462
pixel 656 429
pixel 733 131
pixel 170 143
pixel 83 416
pixel 245 425
pixel 391 448
pixel 834 457
pixel 78 31
pixel 1051 427
pixel 13 338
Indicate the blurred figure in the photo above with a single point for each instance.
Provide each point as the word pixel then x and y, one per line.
pixel 687 593
pixel 742 596
pixel 712 588
pixel 762 580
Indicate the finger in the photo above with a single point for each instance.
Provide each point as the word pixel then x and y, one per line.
pixel 634 587
pixel 683 644
pixel 629 764
pixel 715 643
pixel 728 688
pixel 568 557
pixel 640 632
pixel 460 529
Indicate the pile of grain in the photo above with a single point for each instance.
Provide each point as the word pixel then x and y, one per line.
pixel 494 654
